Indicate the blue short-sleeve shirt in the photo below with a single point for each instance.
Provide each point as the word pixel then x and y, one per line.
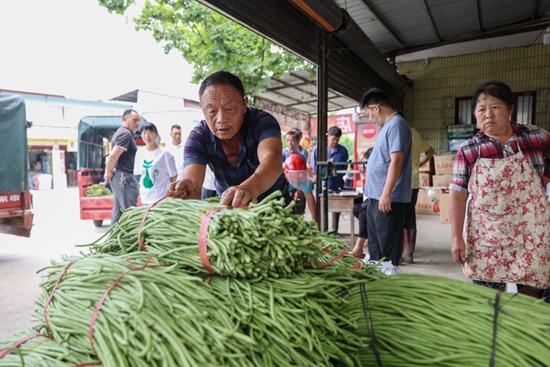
pixel 203 147
pixel 395 136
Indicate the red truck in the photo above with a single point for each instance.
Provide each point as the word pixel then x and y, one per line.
pixel 94 135
pixel 16 214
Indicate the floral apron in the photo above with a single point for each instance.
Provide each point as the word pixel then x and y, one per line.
pixel 508 235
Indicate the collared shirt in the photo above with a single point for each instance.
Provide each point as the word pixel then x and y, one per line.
pixel 287 154
pixel 533 141
pixel 338 154
pixel 203 147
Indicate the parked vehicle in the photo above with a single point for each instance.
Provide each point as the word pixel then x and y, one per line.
pixel 94 136
pixel 16 215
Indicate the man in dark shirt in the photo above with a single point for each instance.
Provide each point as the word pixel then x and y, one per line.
pixel 120 165
pixel 241 144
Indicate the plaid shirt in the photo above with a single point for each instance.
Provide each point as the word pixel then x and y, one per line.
pixel 533 141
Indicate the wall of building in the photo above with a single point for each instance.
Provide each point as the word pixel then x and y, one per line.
pixel 429 105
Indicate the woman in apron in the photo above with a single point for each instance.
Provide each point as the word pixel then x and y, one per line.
pixel 499 185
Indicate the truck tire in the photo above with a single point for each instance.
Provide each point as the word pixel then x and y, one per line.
pixel 98 223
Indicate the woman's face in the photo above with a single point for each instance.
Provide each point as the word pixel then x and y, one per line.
pixel 493 115
pixel 149 137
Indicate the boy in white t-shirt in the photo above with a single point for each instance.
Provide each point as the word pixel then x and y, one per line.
pixel 155 165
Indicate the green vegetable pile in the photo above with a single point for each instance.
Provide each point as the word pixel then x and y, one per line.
pixel 265 239
pixel 96 190
pixel 283 294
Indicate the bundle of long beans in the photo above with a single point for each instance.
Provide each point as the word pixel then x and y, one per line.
pixel 421 320
pixel 265 239
pixel 162 316
pixel 37 350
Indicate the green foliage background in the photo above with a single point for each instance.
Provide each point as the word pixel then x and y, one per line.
pixel 210 42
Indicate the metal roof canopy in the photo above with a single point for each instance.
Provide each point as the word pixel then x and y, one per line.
pixel 298 90
pixel 354 62
pixel 402 29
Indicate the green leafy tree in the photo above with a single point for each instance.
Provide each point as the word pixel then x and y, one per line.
pixel 348 143
pixel 209 41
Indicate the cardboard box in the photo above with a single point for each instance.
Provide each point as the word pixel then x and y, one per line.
pixel 444 206
pixel 444 164
pixel 425 179
pixel 428 167
pixel 441 181
pixel 428 201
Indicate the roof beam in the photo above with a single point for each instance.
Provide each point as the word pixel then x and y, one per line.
pixel 309 103
pixel 383 23
pixel 427 9
pixel 284 86
pixel 288 85
pixel 478 16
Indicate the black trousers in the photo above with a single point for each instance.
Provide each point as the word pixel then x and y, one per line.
pixel 410 216
pixel 360 212
pixel 385 231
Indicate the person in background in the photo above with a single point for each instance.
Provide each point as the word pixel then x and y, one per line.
pixel 388 181
pixel 292 139
pixel 304 152
pixel 335 153
pixel 360 212
pixel 241 144
pixel 155 166
pixel 419 146
pixel 120 165
pixel 296 173
pixel 209 184
pixel 504 169
pixel 176 147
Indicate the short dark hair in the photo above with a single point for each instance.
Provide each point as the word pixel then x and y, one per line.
pixel 221 78
pixel 298 131
pixel 128 112
pixel 375 96
pixel 498 90
pixel 334 131
pixel 150 127
pixel 175 126
pixel 294 134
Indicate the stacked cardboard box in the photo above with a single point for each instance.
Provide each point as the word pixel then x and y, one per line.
pixel 428 201
pixel 443 170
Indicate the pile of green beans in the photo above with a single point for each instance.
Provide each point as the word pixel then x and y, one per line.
pixel 164 316
pixel 40 351
pixel 265 239
pixel 421 320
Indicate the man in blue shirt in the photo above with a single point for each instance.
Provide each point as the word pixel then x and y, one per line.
pixel 241 144
pixel 388 184
pixel 335 153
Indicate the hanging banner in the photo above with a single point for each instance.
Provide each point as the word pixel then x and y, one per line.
pixel 344 122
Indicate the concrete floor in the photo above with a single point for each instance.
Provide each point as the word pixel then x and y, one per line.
pixel 58 229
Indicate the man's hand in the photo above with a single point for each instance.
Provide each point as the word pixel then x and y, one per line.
pixel 107 177
pixel 384 204
pixel 236 196
pixel 180 189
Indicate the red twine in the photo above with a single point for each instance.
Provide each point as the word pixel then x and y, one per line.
pixel 17 344
pixel 53 291
pixel 141 244
pixel 98 306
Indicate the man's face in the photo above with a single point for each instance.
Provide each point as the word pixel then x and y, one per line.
pixel 176 136
pixel 223 108
pixel 131 121
pixel 291 143
pixel 332 141
pixel 373 113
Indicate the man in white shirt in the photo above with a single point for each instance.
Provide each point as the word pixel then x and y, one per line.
pixel 176 148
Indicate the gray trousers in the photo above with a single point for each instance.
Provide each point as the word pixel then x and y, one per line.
pixel 125 193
